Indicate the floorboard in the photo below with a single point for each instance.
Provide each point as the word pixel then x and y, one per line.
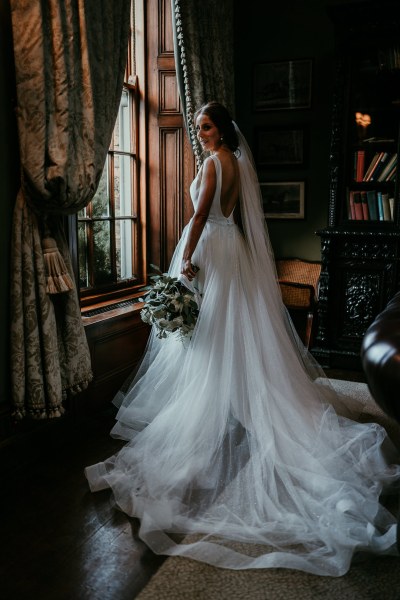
pixel 61 542
pixel 58 540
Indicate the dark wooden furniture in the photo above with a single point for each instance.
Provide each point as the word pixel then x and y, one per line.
pixel 117 339
pixel 360 256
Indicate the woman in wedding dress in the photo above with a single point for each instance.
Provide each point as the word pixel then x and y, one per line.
pixel 239 453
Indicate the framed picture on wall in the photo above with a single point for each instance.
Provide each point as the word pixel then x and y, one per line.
pixel 283 199
pixel 282 85
pixel 278 146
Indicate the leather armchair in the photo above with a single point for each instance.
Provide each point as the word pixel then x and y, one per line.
pixel 380 355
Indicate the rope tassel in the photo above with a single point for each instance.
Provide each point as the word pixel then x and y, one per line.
pixel 58 279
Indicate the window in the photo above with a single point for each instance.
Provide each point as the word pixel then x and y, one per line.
pixel 109 248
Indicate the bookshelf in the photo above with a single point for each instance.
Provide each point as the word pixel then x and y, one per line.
pixel 373 134
pixel 360 247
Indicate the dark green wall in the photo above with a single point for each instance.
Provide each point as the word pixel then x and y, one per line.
pixel 285 30
pixel 8 187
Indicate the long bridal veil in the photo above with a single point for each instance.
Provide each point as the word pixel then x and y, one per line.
pixel 260 250
pixel 266 278
pixel 239 453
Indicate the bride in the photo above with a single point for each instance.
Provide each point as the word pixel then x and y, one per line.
pixel 239 453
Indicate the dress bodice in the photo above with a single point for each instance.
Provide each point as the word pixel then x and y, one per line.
pixel 215 214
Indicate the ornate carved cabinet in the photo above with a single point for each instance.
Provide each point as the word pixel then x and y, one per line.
pixel 360 247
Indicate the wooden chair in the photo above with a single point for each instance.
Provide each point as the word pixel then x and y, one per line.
pixel 299 283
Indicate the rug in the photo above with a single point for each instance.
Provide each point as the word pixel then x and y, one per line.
pixel 365 409
pixel 184 579
pixel 370 577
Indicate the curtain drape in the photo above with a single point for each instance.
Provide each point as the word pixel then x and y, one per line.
pixel 203 41
pixel 70 57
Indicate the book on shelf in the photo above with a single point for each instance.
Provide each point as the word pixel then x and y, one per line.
pixel 380 205
pixel 372 205
pixel 391 206
pixel 359 165
pixel 392 163
pixel 372 165
pixel 381 164
pixel 392 175
pixel 350 206
pixel 383 206
pixel 364 206
pixel 386 207
pixel 358 210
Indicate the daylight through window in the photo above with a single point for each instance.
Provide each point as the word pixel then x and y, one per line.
pixel 108 226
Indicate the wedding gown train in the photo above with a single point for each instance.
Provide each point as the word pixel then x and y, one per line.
pixel 239 453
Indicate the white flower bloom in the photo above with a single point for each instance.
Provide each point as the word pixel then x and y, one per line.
pixel 177 305
pixel 159 313
pixel 164 323
pixel 166 301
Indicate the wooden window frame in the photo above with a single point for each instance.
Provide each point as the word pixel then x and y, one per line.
pixel 127 289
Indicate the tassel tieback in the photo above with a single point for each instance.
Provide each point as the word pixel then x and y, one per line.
pixel 38 414
pixel 58 279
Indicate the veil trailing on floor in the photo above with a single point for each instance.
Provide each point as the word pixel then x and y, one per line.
pixel 239 453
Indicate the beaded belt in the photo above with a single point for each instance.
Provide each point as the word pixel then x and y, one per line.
pixel 220 221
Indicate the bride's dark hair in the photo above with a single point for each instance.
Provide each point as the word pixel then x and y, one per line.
pixel 220 116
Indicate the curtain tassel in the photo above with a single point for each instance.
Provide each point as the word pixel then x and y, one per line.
pixel 58 279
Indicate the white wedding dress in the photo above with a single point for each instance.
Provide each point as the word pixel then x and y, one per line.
pixel 239 453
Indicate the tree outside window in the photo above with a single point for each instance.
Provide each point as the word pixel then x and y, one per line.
pixel 108 248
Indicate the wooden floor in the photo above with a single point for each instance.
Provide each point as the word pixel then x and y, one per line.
pixel 58 540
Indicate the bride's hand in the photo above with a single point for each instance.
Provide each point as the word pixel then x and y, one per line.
pixel 188 269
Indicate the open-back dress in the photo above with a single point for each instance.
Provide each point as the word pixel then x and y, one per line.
pixel 239 453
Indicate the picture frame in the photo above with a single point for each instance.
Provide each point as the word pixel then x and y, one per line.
pixel 282 85
pixel 283 199
pixel 280 147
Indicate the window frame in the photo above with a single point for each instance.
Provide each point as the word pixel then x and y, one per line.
pixel 127 289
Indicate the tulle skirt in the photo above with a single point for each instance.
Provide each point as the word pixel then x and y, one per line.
pixel 239 453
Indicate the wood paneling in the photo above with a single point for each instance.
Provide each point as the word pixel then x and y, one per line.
pixel 116 346
pixel 170 192
pixel 165 38
pixel 170 157
pixel 169 101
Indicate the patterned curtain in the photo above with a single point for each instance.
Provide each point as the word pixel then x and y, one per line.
pixel 70 57
pixel 203 36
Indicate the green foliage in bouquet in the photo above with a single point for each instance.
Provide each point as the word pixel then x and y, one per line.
pixel 169 305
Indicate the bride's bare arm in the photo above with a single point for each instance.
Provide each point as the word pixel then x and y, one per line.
pixel 199 219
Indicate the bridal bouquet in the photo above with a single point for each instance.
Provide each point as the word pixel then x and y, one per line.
pixel 170 306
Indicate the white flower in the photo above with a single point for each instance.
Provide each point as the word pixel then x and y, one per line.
pixel 145 315
pixel 164 323
pixel 178 321
pixel 170 306
pixel 177 305
pixel 159 313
